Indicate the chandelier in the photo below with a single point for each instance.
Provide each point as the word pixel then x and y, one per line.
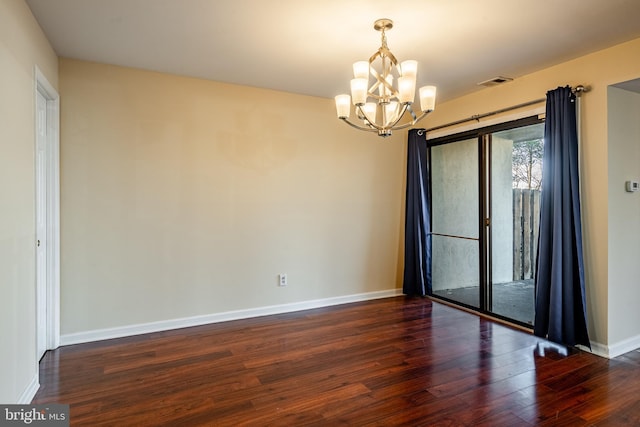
pixel 382 106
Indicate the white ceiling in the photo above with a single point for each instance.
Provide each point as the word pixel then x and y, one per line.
pixel 308 46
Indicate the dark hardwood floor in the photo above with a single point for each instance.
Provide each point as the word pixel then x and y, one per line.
pixel 395 361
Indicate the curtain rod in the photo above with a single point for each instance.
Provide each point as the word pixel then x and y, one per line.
pixel 578 91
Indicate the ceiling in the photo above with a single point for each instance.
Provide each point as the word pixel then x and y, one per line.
pixel 631 85
pixel 308 46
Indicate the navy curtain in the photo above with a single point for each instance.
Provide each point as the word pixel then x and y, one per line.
pixel 560 312
pixel 417 227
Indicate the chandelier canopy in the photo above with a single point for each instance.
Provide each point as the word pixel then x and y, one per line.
pixel 382 106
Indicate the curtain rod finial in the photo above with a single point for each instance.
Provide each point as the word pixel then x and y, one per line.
pixel 580 89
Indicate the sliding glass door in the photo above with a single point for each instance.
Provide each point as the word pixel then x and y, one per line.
pixel 455 249
pixel 516 175
pixel 485 192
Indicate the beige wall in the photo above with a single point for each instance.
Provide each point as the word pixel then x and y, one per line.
pixel 22 47
pixel 599 70
pixel 185 197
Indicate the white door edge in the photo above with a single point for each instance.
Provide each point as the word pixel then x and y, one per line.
pixel 52 201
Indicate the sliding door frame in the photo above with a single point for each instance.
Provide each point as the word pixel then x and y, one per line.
pixel 483 136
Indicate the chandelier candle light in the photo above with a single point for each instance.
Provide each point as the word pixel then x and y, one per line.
pixel 389 103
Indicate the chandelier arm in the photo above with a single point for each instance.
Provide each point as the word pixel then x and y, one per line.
pixel 391 57
pixel 378 78
pixel 344 119
pixel 400 116
pixel 406 125
pixel 372 124
pixel 413 114
pixel 383 53
pixel 384 83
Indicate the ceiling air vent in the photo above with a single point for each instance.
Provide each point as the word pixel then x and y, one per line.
pixel 495 81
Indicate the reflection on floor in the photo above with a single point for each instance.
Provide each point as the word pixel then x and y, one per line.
pixel 513 299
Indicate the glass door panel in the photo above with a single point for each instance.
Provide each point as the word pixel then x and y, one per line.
pixel 454 226
pixel 514 209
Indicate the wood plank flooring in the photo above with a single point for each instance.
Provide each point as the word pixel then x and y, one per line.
pixel 394 361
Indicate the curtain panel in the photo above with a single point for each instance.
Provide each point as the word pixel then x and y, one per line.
pixel 417 243
pixel 560 314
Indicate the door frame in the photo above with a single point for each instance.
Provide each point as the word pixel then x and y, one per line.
pixel 483 135
pixel 51 289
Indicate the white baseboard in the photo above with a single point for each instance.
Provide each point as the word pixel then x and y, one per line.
pixel 165 325
pixel 624 346
pixel 597 349
pixel 616 349
pixel 30 392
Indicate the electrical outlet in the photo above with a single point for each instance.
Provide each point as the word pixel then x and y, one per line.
pixel 282 279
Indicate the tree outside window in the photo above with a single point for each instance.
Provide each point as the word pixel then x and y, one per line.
pixel 527 164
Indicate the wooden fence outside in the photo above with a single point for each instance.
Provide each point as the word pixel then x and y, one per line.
pixel 526 222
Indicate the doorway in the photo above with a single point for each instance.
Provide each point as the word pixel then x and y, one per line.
pixel 485 192
pixel 47 209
